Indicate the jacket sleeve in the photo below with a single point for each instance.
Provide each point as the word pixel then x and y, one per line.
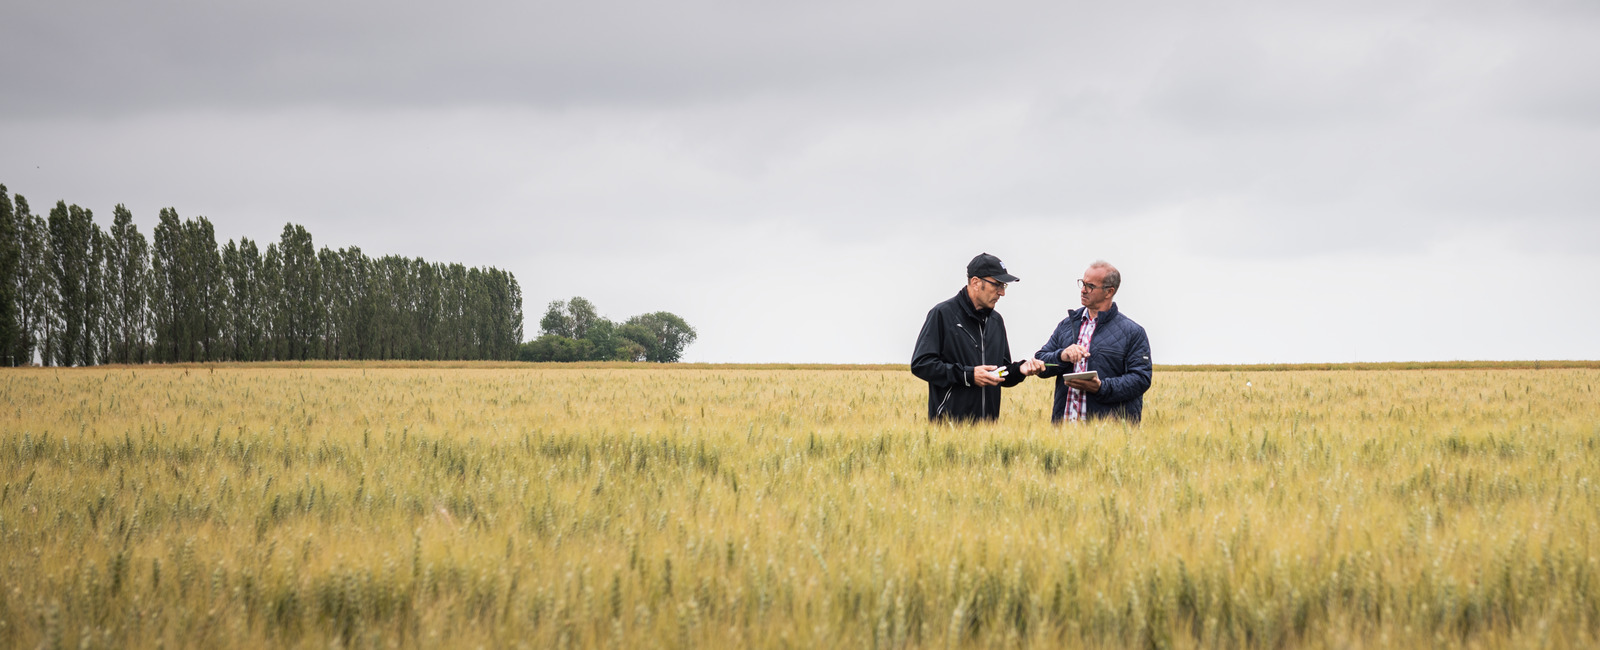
pixel 1051 352
pixel 1014 375
pixel 1136 380
pixel 927 363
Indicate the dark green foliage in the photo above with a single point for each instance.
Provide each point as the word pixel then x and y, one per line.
pixel 392 308
pixel 97 322
pixel 605 342
pixel 209 289
pixel 456 310
pixel 574 331
pixel 245 325
pixel 634 342
pixel 187 285
pixel 35 285
pixel 301 297
pixel 501 311
pixel 10 258
pixel 124 288
pixel 669 335
pixel 552 347
pixel 344 285
pixel 273 344
pixel 556 321
pixel 167 302
pixel 75 269
pixel 583 316
pixel 71 294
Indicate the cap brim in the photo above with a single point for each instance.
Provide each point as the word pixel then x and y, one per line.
pixel 1007 278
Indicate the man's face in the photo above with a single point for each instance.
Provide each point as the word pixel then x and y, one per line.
pixel 985 292
pixel 1091 289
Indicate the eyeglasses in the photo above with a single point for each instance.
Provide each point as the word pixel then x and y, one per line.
pixel 997 284
pixel 1091 286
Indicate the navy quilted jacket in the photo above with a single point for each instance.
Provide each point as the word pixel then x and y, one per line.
pixel 1119 351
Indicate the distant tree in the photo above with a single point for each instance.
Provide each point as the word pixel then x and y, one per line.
pixel 344 286
pixel 578 320
pixel 504 314
pixel 72 232
pixel 168 302
pixel 35 285
pixel 428 285
pixel 393 286
pixel 357 303
pixel 421 302
pixel 659 336
pixel 300 302
pixel 10 285
pixel 98 320
pixel 187 290
pixel 73 294
pixel 635 342
pixel 127 274
pixel 241 272
pixel 456 329
pixel 333 294
pixel 274 322
pixel 583 316
pixel 556 320
pixel 209 312
pixel 604 343
pixel 58 341
pixel 669 335
pixel 400 326
pixel 397 307
pixel 378 306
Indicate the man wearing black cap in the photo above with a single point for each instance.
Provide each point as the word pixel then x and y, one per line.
pixel 962 351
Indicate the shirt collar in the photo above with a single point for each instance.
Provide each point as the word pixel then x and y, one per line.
pixel 1083 313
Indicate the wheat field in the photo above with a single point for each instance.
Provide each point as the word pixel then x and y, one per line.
pixel 384 506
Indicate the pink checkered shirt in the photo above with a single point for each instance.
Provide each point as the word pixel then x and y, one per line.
pixel 1077 400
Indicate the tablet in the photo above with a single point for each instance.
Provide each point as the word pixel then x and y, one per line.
pixel 1080 375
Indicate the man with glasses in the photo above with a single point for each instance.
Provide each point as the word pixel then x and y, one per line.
pixel 962 351
pixel 1097 337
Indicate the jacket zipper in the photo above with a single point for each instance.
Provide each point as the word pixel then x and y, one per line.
pixel 983 357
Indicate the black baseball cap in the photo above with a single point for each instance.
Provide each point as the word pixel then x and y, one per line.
pixel 989 266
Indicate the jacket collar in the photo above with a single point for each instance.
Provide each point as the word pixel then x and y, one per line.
pixel 1100 320
pixel 971 311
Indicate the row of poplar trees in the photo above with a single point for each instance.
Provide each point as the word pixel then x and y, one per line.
pixel 73 294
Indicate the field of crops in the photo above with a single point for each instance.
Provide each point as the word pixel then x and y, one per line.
pixel 725 507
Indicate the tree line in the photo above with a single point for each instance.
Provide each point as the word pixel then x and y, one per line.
pixel 74 294
pixel 573 330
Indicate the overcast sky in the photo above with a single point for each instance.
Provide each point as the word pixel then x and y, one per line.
pixel 1277 181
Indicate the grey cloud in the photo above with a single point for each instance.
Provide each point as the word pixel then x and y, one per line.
pixel 95 57
pixel 1249 64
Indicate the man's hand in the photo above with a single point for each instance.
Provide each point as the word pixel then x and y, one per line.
pixel 984 376
pixel 1032 367
pixel 1074 353
pixel 1090 385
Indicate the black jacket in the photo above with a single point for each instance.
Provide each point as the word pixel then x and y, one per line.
pixel 1119 351
pixel 956 338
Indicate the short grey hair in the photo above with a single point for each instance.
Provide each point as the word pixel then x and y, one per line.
pixel 1113 277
